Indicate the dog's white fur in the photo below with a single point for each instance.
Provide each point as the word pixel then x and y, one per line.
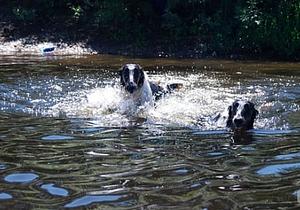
pixel 143 96
pixel 238 114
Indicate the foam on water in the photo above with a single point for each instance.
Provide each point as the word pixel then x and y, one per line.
pixel 194 105
pixel 203 96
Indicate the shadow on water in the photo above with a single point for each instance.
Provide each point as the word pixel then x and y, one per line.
pixel 66 142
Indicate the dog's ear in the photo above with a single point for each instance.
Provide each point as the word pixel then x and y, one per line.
pixel 229 119
pixel 253 116
pixel 230 111
pixel 121 77
pixel 141 77
pixel 255 112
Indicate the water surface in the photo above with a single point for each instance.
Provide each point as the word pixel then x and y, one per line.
pixel 69 140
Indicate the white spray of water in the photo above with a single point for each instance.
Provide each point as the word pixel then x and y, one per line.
pixel 191 106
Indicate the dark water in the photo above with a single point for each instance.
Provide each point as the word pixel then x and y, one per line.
pixel 65 142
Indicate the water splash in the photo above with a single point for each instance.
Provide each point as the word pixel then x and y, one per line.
pixel 203 96
pixel 193 106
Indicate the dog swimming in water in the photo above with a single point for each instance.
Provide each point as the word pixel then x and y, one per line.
pixel 239 115
pixel 139 89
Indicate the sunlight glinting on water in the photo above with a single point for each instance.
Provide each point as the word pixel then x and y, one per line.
pixel 204 94
pixel 200 99
pixel 70 139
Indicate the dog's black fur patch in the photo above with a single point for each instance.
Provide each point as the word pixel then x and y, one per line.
pixel 241 114
pixel 132 77
pixel 138 77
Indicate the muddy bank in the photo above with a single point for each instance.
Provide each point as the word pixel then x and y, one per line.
pixel 41 47
pixel 154 28
pixel 32 40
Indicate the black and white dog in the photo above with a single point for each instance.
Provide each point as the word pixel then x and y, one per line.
pixel 138 87
pixel 240 115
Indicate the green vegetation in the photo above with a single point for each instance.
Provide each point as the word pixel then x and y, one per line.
pixel 251 27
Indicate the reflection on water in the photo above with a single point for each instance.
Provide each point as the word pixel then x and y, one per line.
pixel 20 177
pixel 95 93
pixel 89 199
pixel 280 168
pixel 5 196
pixel 53 190
pixel 67 142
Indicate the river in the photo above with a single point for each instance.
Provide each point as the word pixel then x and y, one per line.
pixel 66 144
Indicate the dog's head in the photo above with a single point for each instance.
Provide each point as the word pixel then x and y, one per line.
pixel 241 114
pixel 132 77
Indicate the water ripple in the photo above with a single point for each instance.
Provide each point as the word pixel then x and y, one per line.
pixel 21 177
pixel 288 156
pixel 57 138
pixel 89 199
pixel 53 190
pixel 278 169
pixel 5 196
pixel 63 146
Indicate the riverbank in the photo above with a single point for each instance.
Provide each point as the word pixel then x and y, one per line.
pixel 14 40
pixel 36 46
pixel 31 40
pixel 59 48
pixel 155 28
pixel 64 46
pixel 33 43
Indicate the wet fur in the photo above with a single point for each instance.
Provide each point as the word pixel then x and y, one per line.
pixel 241 114
pixel 138 88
